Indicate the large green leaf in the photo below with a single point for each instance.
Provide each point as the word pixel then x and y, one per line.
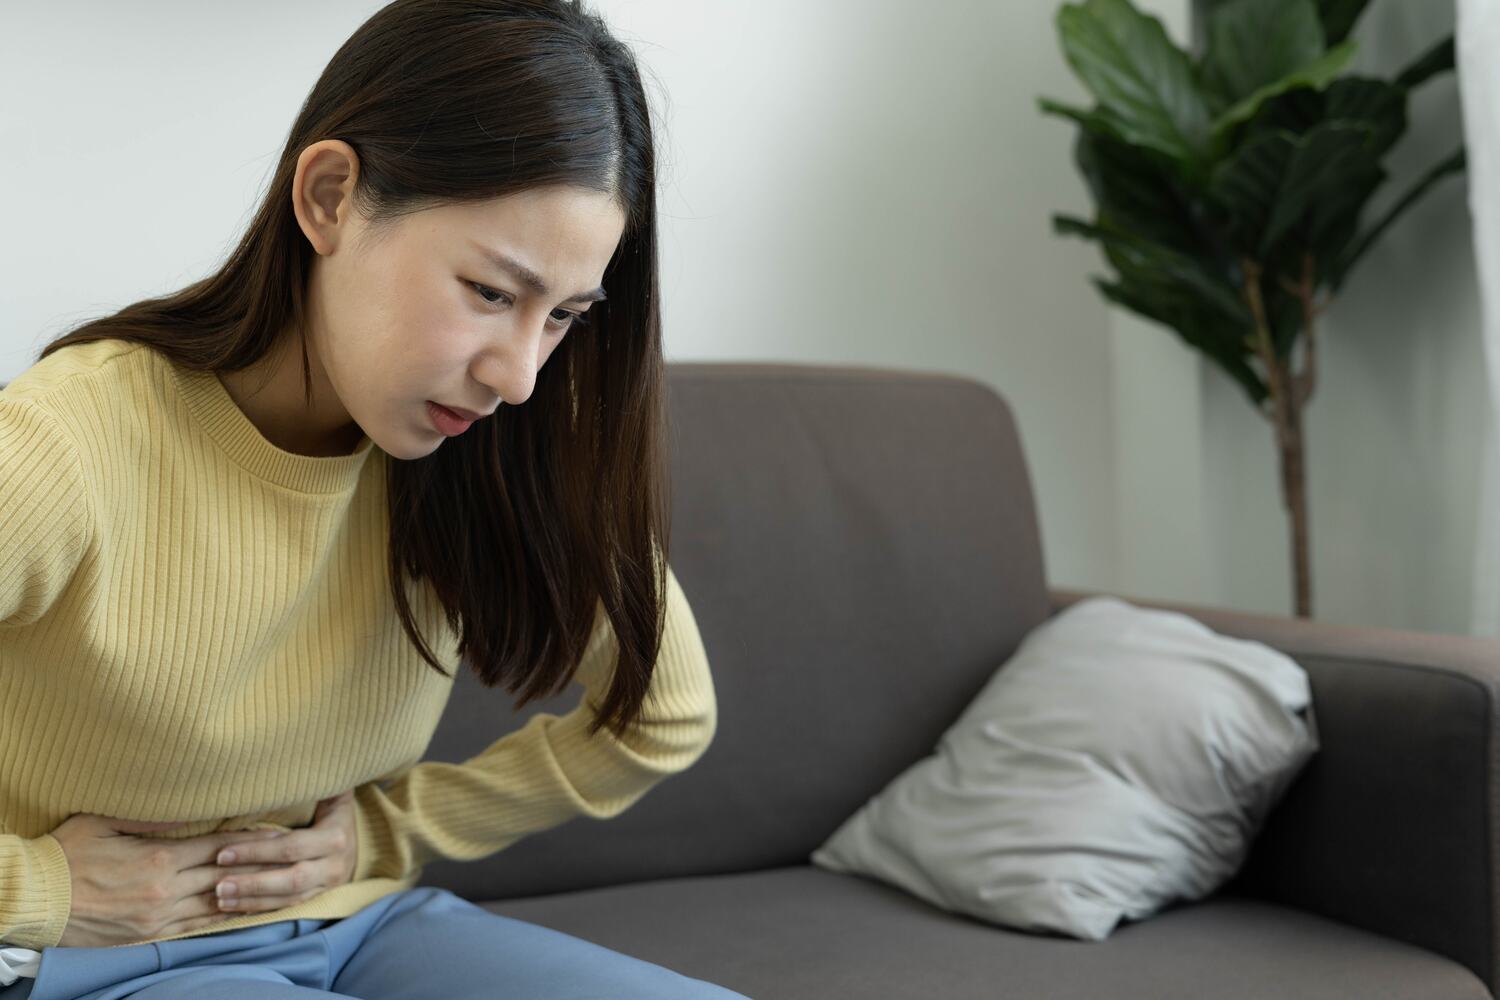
pixel 1150 263
pixel 1132 68
pixel 1278 181
pixel 1197 326
pixel 1311 188
pixel 1295 111
pixel 1438 59
pixel 1178 291
pixel 1352 99
pixel 1339 17
pixel 1366 101
pixel 1255 43
pixel 1101 124
pixel 1327 158
pixel 1317 74
pixel 1283 311
pixel 1333 219
pixel 1248 185
pixel 1099 121
pixel 1140 195
pixel 1452 164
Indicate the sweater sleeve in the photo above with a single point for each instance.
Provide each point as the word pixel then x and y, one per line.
pixel 44 530
pixel 549 770
pixel 36 891
pixel 45 514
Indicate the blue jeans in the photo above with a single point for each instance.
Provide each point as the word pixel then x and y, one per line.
pixel 419 944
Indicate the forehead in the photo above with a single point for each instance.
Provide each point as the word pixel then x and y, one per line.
pixel 549 212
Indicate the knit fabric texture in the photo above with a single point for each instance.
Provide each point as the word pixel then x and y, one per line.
pixel 196 625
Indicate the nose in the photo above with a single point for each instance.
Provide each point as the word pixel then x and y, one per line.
pixel 508 369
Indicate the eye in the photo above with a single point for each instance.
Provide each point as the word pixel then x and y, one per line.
pixel 483 290
pixel 562 322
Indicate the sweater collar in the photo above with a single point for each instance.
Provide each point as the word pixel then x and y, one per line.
pixel 221 418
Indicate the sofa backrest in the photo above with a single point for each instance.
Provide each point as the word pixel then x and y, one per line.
pixel 860 550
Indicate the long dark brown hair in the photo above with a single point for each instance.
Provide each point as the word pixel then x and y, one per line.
pixel 544 516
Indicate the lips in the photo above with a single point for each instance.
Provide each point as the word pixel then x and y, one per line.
pixel 461 412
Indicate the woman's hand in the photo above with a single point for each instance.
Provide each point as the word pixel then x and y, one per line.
pixel 128 888
pixel 314 859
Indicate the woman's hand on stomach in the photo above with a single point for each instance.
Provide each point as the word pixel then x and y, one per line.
pixel 128 888
pixel 297 866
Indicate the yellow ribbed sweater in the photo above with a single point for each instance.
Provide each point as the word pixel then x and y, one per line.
pixel 195 625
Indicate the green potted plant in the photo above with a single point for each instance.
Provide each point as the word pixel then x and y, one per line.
pixel 1230 189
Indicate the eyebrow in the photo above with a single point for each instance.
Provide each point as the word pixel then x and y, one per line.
pixel 530 278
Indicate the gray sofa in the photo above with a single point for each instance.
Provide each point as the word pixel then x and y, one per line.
pixel 861 551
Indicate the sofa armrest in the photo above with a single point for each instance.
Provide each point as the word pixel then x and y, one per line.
pixel 1391 826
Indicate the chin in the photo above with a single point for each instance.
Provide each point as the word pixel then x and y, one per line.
pixel 414 451
pixel 410 442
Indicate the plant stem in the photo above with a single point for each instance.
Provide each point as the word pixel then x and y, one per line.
pixel 1286 415
pixel 1294 474
pixel 1309 377
pixel 1262 341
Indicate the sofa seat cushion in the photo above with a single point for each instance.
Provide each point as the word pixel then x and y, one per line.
pixel 804 932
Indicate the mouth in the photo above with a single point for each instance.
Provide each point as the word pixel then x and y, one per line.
pixel 447 422
pixel 461 413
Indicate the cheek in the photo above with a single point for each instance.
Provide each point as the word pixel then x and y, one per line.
pixel 425 359
pixel 427 329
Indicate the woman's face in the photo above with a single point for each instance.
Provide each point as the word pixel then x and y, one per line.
pixel 419 312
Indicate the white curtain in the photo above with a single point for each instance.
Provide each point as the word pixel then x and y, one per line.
pixel 1478 45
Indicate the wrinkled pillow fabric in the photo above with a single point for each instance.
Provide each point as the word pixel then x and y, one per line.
pixel 1122 760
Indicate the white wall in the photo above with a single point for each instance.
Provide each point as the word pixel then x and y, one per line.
pixel 851 182
pixel 846 182
pixel 136 137
pixel 1161 513
pixel 898 162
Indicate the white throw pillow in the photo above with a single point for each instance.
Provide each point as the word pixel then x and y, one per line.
pixel 1123 759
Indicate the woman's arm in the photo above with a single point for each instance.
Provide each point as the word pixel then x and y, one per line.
pixel 45 526
pixel 35 891
pixel 45 511
pixel 549 770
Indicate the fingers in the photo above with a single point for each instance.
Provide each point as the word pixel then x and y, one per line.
pixel 195 911
pixel 249 836
pixel 263 870
pixel 260 887
pixel 291 869
pixel 294 845
pixel 204 850
pixel 199 883
pixel 271 890
pixel 284 849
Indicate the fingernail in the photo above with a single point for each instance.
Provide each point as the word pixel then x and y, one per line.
pixel 226 857
pixel 227 889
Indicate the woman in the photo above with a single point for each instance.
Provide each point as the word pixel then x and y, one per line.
pixel 225 613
